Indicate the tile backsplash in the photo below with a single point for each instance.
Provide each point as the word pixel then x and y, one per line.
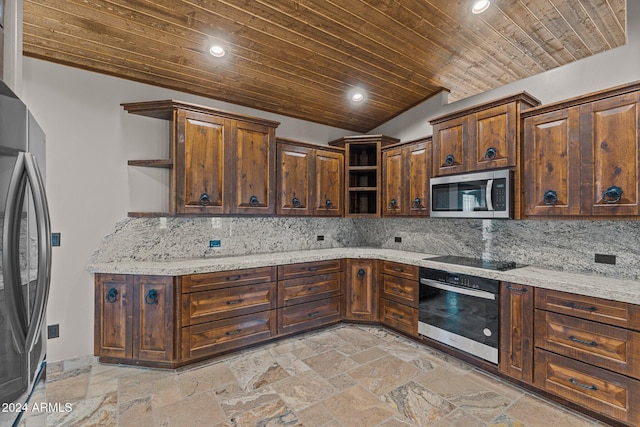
pixel 558 245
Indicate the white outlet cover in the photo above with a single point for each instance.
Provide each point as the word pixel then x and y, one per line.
pixel 216 223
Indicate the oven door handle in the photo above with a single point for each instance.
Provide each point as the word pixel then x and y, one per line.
pixel 458 290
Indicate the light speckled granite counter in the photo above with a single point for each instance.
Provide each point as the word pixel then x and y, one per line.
pixel 616 289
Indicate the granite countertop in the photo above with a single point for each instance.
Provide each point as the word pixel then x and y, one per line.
pixel 624 290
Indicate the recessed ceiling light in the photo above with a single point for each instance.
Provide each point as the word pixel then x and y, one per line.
pixel 217 51
pixel 480 6
pixel 357 97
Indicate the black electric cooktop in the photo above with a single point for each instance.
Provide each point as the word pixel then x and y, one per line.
pixel 477 262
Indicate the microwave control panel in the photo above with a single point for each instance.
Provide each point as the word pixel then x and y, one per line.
pixel 500 195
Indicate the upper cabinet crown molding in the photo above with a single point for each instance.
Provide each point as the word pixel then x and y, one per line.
pixel 526 99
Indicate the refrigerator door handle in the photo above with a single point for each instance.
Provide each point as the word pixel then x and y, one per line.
pixel 26 328
pixel 17 317
pixel 44 250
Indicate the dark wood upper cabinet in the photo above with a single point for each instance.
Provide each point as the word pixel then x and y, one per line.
pixel 583 155
pixel 485 136
pixel 363 173
pixel 406 170
pixel 552 163
pixel 220 163
pixel 310 179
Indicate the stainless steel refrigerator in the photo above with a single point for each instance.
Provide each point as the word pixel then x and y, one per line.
pixel 25 256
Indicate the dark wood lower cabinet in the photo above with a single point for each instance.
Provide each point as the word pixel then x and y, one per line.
pixel 516 331
pixel 361 291
pixel 208 339
pixel 310 315
pixel 399 316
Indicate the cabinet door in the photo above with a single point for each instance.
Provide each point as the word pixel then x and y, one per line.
pixel 153 319
pixel 516 331
pixel 293 180
pixel 393 180
pixel 328 174
pixel 493 137
pixel 552 163
pixel 253 165
pixel 448 141
pixel 200 151
pixel 610 155
pixel 362 290
pixel 419 166
pixel 113 316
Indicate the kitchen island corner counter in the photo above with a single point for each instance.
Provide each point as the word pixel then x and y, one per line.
pixel 616 289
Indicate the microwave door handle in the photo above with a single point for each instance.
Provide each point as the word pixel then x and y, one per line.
pixel 17 318
pixel 44 250
pixel 489 192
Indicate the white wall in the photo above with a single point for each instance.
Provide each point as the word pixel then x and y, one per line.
pixel 612 68
pixel 90 187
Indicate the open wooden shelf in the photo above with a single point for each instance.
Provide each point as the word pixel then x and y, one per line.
pixel 156 163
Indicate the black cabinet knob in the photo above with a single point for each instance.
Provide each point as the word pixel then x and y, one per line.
pixel 612 195
pixel 449 160
pixel 491 153
pixel 151 297
pixel 329 204
pixel 295 202
pixel 112 295
pixel 550 197
pixel 361 273
pixel 205 199
pixel 417 203
pixel 393 204
pixel 253 200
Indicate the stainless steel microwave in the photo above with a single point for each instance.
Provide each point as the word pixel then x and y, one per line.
pixel 473 195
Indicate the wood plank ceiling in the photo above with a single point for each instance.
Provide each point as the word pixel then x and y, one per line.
pixel 301 58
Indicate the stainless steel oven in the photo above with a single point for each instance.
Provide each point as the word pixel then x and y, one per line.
pixel 461 311
pixel 472 195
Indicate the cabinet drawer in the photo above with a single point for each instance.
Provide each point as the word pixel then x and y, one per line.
pixel 310 315
pixel 603 391
pixel 307 289
pixel 605 346
pixel 400 270
pixel 399 316
pixel 224 279
pixel 207 306
pixel 597 309
pixel 307 268
pixel 214 337
pixel 400 290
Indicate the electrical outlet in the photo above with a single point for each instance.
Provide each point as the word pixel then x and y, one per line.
pixel 216 222
pixel 214 243
pixel 320 238
pixel 55 239
pixel 163 222
pixel 605 259
pixel 53 331
pixel 398 239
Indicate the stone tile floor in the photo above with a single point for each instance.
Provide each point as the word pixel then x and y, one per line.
pixel 346 375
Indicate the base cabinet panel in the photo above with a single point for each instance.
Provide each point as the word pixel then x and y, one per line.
pixel 215 337
pixel 154 318
pixel 602 391
pixel 516 331
pixel 361 291
pixel 113 316
pixel 310 315
pixel 399 316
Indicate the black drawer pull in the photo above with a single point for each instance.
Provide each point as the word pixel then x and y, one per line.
pixel 236 332
pixel 579 341
pixel 313 288
pixel 512 289
pixel 204 199
pixel 491 153
pixel 361 273
pixel 234 302
pixel 398 269
pixel 550 197
pixel 314 314
pixel 397 316
pixel 329 204
pixel 253 201
pixel 313 268
pixel 449 160
pixel 151 297
pixel 393 204
pixel 399 290
pixel 417 203
pixel 579 384
pixel 296 202
pixel 112 295
pixel 232 278
pixel 582 307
